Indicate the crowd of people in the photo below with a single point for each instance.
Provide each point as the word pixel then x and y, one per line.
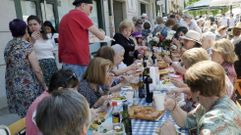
pixel 63 101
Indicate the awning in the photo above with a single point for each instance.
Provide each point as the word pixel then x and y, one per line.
pixel 224 2
pixel 199 4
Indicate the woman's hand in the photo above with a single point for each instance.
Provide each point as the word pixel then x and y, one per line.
pixel 35 36
pixel 94 113
pixel 178 83
pixel 176 42
pixel 169 103
pixel 167 129
pixel 167 59
pixel 109 79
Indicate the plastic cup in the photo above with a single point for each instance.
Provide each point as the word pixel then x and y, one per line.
pixel 159 100
pixel 129 96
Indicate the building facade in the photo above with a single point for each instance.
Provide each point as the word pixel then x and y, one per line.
pixel 107 14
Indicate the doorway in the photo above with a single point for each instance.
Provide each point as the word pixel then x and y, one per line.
pixel 143 8
pixel 118 14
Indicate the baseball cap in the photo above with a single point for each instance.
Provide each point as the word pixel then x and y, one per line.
pixel 76 2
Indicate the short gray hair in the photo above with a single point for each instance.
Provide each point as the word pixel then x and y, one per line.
pixel 209 35
pixel 65 112
pixel 118 49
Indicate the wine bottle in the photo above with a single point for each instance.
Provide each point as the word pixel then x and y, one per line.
pixel 145 59
pixel 147 82
pixel 153 57
pixel 126 119
pixel 141 87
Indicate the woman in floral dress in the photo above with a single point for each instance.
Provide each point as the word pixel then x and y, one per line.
pixel 24 80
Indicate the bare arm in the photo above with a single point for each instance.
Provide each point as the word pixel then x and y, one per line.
pixel 177 113
pixel 177 67
pixel 126 69
pixel 36 68
pixel 99 34
pixel 181 70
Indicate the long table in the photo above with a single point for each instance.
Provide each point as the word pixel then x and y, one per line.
pixel 142 127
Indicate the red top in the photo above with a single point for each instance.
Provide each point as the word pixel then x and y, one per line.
pixel 74 38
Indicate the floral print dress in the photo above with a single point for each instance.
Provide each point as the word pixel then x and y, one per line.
pixel 22 86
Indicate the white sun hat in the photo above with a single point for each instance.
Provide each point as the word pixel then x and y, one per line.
pixel 193 36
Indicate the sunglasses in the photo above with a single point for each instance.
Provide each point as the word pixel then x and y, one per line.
pixel 73 76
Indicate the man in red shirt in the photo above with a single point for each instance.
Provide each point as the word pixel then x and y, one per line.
pixel 74 38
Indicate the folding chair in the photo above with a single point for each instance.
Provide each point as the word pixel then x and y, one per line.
pixel 17 127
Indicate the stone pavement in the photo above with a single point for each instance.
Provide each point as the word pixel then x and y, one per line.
pixel 7 118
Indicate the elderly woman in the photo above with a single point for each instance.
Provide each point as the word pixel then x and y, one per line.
pixel 60 80
pixel 24 79
pixel 208 39
pixel 123 38
pixel 190 40
pixel 221 32
pixel 189 58
pixel 115 54
pixel 223 53
pixel 97 75
pixel 43 47
pixel 216 114
pixel 65 112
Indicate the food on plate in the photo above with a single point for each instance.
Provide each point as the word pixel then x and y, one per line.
pixel 163 64
pixel 98 121
pixel 163 72
pixel 144 113
pixel 166 81
pixel 119 98
pixel 117 128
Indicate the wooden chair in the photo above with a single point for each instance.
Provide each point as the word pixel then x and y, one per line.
pixel 237 86
pixel 17 126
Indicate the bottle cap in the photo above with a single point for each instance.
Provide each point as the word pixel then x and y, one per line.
pixel 114 103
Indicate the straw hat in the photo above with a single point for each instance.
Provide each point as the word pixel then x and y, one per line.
pixel 235 29
pixel 237 26
pixel 221 28
pixel 193 36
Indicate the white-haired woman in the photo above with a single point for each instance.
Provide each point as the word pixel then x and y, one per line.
pixel 216 114
pixel 208 39
pixel 52 119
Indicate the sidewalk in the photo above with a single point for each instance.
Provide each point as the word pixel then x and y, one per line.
pixel 7 118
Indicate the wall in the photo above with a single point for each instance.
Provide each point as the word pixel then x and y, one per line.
pixel 5 36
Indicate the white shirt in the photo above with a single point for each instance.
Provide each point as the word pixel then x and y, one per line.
pixel 231 22
pixel 224 21
pixel 52 37
pixel 194 26
pixel 44 49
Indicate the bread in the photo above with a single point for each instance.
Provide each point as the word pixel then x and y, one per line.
pixel 144 113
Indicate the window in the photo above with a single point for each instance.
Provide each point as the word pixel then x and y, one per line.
pixel 28 8
pixel 44 9
pixel 47 11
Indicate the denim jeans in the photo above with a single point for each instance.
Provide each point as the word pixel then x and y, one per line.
pixel 77 69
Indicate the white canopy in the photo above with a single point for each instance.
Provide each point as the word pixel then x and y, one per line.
pixel 224 2
pixel 235 11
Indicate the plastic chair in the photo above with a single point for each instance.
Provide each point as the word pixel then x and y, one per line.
pixel 4 130
pixel 17 127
